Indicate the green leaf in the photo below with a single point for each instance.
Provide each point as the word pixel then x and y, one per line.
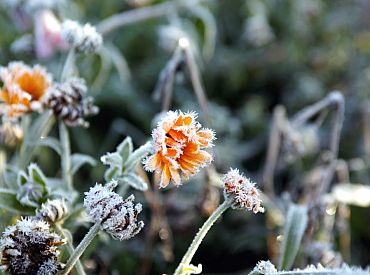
pixel 52 143
pixel 80 159
pixel 138 155
pixel 9 201
pixel 125 149
pixel 134 181
pixel 11 177
pixel 110 173
pixel 36 174
pixel 112 159
pixel 22 178
pixel 295 225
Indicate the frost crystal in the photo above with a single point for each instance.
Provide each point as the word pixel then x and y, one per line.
pixel 242 191
pixel 264 267
pixel 28 247
pixel 84 38
pixel 116 216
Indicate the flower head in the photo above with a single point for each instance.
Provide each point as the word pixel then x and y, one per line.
pixel 84 38
pixel 28 247
pixel 242 191
pixel 53 210
pixel 179 141
pixel 69 102
pixel 23 88
pixel 116 216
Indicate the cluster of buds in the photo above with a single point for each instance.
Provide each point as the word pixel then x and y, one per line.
pixel 116 216
pixel 69 102
pixel 28 247
pixel 241 191
pixel 84 38
pixel 179 143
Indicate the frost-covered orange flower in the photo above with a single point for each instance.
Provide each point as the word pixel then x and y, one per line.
pixel 179 141
pixel 23 88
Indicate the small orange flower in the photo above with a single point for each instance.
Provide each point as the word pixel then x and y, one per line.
pixel 178 142
pixel 23 88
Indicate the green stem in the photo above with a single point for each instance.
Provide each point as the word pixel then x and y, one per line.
pixel 79 268
pixel 40 128
pixel 94 230
pixel 66 155
pixel 69 65
pixel 186 260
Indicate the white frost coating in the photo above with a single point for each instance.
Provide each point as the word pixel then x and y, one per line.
pixel 84 38
pixel 118 217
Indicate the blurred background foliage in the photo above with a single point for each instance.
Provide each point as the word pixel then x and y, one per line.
pixel 265 53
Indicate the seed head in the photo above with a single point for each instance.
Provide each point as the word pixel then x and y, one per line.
pixel 179 141
pixel 28 247
pixel 116 216
pixel 84 38
pixel 69 102
pixel 242 191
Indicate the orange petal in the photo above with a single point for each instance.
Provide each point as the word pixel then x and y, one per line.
pixel 153 163
pixel 177 136
pixel 175 176
pixel 187 167
pixel 166 176
pixel 205 137
pixel 191 148
pixel 171 142
pixel 172 153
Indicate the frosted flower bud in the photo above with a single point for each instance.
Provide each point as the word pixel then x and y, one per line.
pixel 116 216
pixel 242 191
pixel 84 38
pixel 264 267
pixel 69 102
pixel 10 133
pixel 53 210
pixel 28 247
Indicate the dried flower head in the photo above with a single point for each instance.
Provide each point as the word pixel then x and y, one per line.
pixel 242 191
pixel 28 247
pixel 264 267
pixel 116 216
pixel 10 133
pixel 53 210
pixel 179 142
pixel 23 88
pixel 84 38
pixel 69 102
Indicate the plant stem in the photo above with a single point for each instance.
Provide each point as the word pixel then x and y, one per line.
pixel 141 14
pixel 94 230
pixel 69 65
pixel 39 128
pixel 79 268
pixel 66 155
pixel 186 260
